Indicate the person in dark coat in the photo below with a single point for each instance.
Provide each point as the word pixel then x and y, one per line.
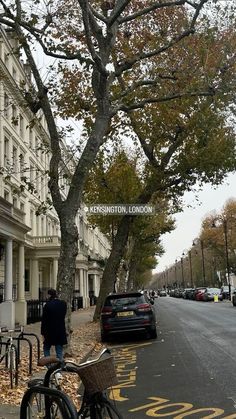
pixel 53 327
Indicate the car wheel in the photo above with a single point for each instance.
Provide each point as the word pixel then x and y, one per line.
pixel 153 333
pixel 104 337
pixel 234 302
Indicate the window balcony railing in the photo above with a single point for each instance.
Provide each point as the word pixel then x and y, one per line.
pixel 46 240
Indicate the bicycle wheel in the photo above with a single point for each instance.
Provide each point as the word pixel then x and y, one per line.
pixel 100 410
pixel 107 410
pixel 47 403
pixel 13 369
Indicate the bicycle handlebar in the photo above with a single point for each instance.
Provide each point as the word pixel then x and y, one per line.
pixel 70 366
pixel 4 329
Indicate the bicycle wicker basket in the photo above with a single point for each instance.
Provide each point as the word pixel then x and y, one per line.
pixel 99 375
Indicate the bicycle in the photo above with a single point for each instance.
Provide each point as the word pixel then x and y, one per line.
pixel 47 403
pixel 96 375
pixel 10 354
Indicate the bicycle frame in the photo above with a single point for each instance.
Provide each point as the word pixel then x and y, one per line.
pixel 11 357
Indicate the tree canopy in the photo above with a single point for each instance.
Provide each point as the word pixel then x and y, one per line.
pixel 118 63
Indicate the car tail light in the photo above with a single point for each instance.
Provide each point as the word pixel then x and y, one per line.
pixel 144 307
pixel 106 311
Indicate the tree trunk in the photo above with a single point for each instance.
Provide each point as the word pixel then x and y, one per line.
pixel 132 270
pixel 113 263
pixel 67 266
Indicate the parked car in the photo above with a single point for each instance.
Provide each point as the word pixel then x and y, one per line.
pixel 210 293
pixel 127 312
pixel 187 293
pixel 199 293
pixel 163 293
pixel 234 297
pixel 225 291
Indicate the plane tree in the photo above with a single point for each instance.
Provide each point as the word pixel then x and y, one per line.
pixel 119 179
pixel 219 238
pixel 114 59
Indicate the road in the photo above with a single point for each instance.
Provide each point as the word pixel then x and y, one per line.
pixel 189 371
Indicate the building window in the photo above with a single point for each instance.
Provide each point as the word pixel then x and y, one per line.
pixel 27 280
pixel 6 195
pixel 42 227
pixel 14 74
pixel 14 202
pixel 32 220
pixel 14 159
pixel 6 105
pixel 21 125
pixel 31 173
pixel 6 59
pixel 31 139
pixel 6 151
pixel 14 115
pixel 22 163
pixel 37 227
pixel 37 146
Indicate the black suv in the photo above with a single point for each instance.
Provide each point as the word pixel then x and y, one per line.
pixel 126 312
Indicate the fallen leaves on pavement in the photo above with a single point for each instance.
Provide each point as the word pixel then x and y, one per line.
pixel 84 340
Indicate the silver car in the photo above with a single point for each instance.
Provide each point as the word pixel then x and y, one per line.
pixel 210 293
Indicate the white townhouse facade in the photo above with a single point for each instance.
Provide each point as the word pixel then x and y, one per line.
pixel 30 243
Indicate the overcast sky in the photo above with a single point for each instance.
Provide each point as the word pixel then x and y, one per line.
pixel 188 223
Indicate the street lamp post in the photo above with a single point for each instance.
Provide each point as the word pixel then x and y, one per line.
pixel 203 263
pixel 182 268
pixel 196 241
pixel 225 227
pixel 190 267
pixel 175 273
pixel 225 230
pixel 188 254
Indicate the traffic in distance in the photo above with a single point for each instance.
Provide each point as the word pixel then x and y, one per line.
pixel 188 371
pixel 204 293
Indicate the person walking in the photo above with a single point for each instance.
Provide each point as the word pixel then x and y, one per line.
pixel 53 327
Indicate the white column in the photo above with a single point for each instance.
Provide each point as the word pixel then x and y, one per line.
pixel 77 279
pixel 85 282
pixel 8 271
pixel 96 285
pixel 34 279
pixel 21 305
pixel 81 285
pixel 54 273
pixel 21 281
pixel 7 308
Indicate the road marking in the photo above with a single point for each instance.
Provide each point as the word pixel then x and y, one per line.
pixel 216 413
pixel 154 408
pixel 183 407
pixel 158 400
pixel 125 363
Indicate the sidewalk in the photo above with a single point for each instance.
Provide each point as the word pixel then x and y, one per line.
pixel 79 317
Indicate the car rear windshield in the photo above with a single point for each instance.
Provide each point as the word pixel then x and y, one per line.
pixel 124 301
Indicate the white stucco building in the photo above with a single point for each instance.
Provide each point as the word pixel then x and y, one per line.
pixel 30 244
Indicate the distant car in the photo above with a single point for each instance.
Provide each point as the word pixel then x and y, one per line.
pixel 225 291
pixel 234 297
pixel 187 293
pixel 199 293
pixel 210 293
pixel 127 312
pixel 163 293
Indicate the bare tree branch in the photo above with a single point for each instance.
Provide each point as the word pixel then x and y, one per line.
pixel 151 8
pixel 126 65
pixel 141 104
pixel 118 9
